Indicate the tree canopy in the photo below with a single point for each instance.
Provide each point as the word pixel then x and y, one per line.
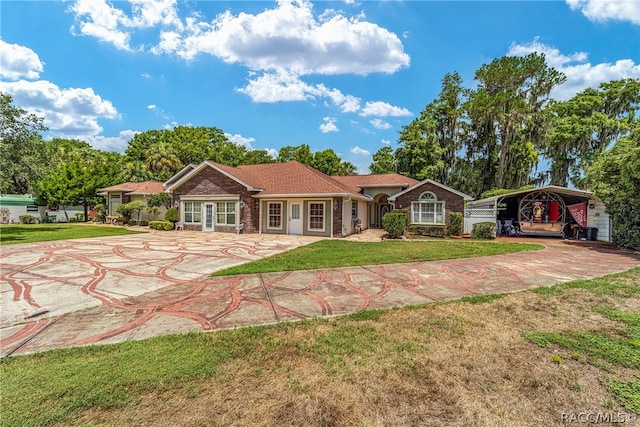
pixel 22 151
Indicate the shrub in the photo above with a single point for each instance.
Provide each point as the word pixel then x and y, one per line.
pixel 428 230
pixel 144 223
pixel 395 223
pixel 161 225
pixel 160 199
pixel 455 224
pixel 125 211
pixel 484 230
pixel 625 219
pixel 171 215
pixel 153 212
pixel 79 216
pixel 27 219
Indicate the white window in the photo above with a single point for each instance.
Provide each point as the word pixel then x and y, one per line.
pixel 275 215
pixel 226 213
pixel 354 209
pixel 192 213
pixel 115 200
pixel 316 216
pixel 427 210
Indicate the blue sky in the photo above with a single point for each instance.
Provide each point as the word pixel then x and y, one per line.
pixel 345 75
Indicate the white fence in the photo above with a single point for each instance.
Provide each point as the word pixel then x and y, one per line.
pixel 474 216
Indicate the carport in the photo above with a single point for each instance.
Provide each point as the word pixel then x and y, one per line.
pixel 547 211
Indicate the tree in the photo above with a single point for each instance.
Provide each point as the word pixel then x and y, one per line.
pixel 256 157
pixel 614 177
pixel 510 99
pixel 585 125
pixel 162 161
pixel 383 161
pixel 22 153
pixel 160 199
pixel 76 172
pixel 301 153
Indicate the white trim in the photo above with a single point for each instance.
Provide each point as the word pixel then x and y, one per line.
pixel 236 209
pixel 311 196
pixel 429 181
pixel 281 203
pixel 183 212
pixel 324 215
pixel 435 213
pixel 212 197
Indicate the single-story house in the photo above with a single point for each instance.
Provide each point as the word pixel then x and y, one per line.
pixel 119 194
pixel 293 198
pixel 545 211
pixel 15 205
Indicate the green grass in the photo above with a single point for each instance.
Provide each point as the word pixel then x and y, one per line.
pixel 29 233
pixel 604 350
pixel 343 253
pixel 57 387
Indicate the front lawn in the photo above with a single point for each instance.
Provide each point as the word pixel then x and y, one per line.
pixel 29 233
pixel 530 358
pixel 344 253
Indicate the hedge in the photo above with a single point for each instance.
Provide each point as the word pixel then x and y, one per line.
pixel 484 230
pixel 395 223
pixel 161 225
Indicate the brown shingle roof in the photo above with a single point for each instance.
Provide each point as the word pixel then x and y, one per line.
pixel 356 182
pixel 291 178
pixel 146 187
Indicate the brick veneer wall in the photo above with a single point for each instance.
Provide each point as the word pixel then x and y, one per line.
pixel 337 216
pixel 452 202
pixel 211 182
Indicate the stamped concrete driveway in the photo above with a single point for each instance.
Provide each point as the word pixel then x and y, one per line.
pixel 50 279
pixel 144 289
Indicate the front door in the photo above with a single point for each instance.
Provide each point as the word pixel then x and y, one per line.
pixel 207 224
pixel 295 218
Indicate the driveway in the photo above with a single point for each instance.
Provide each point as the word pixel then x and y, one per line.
pixel 152 284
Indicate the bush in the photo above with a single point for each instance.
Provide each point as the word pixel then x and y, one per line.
pixel 428 230
pixel 171 215
pixel 395 223
pixel 484 230
pixel 143 223
pixel 27 219
pixel 625 219
pixel 160 199
pixel 455 224
pixel 161 225
pixel 153 212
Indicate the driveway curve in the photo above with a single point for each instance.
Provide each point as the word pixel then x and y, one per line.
pixel 146 285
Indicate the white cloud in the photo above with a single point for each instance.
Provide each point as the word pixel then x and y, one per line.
pixel 278 87
pixel 383 109
pixel 380 124
pixel 114 143
pixel 72 111
pixel 360 151
pixel 272 152
pixel 17 62
pixel 240 140
pixel 100 19
pixel 151 107
pixel 605 10
pixel 580 73
pixel 288 36
pixel 385 141
pixel 329 125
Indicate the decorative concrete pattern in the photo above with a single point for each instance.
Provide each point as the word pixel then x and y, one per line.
pixel 141 293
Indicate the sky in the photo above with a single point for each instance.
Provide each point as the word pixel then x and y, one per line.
pixel 345 75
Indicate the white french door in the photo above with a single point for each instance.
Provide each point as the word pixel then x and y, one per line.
pixel 207 223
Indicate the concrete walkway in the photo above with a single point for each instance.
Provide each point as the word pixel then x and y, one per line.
pixel 202 303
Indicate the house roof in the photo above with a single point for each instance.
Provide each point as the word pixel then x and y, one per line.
pixel 549 188
pixel 182 172
pixel 437 184
pixel 357 182
pixel 290 179
pixel 16 200
pixel 143 188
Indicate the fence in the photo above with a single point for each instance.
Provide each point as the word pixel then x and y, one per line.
pixel 474 216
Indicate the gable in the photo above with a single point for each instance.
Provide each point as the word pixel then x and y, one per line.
pixel 208 181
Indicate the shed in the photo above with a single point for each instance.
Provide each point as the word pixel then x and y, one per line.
pixel 545 211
